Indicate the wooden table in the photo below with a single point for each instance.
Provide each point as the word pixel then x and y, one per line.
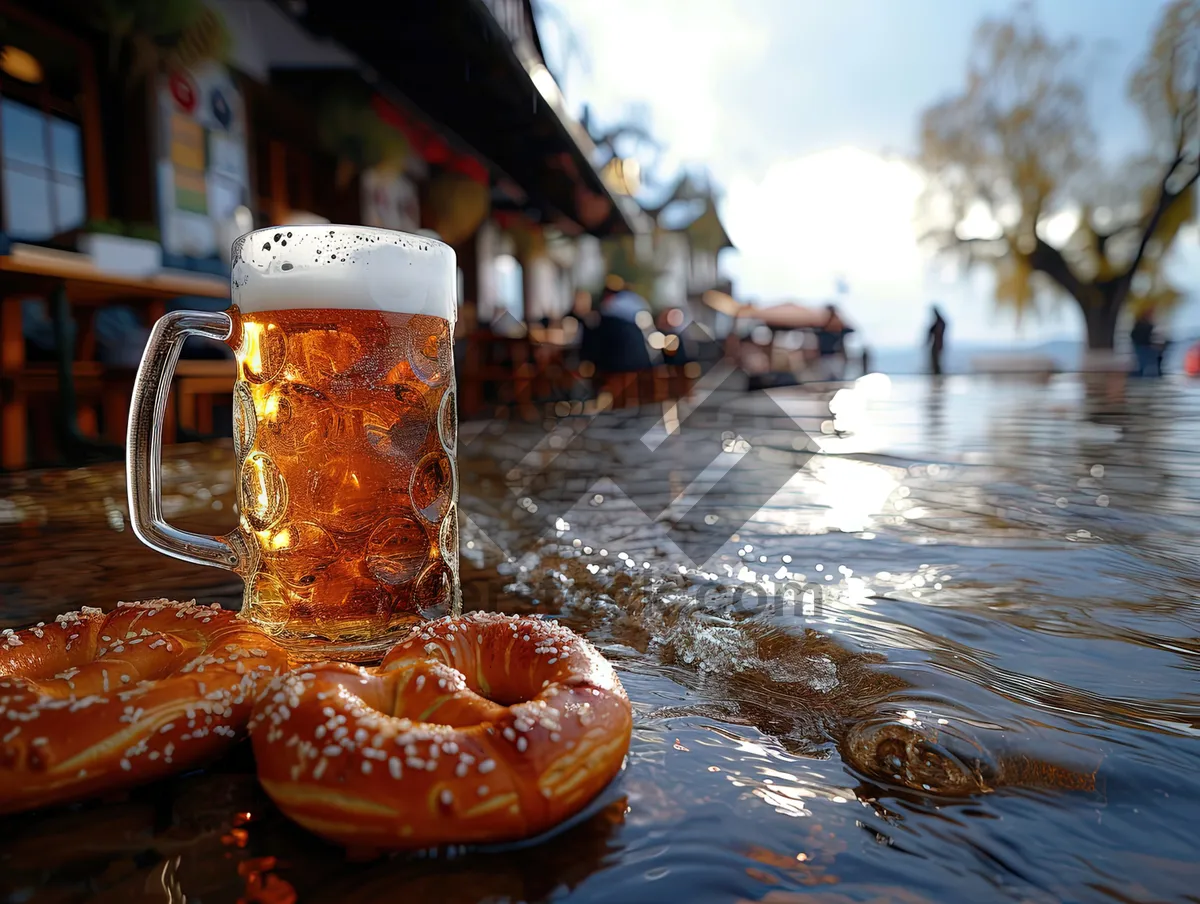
pixel 73 286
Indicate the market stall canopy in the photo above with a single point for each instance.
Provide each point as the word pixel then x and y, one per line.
pixel 458 64
pixel 786 316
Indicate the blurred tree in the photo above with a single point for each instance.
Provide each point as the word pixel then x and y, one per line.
pixel 1015 180
pixel 160 32
pixel 630 138
pixel 568 51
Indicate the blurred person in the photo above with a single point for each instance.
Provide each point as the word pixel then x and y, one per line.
pixel 831 344
pixel 1147 348
pixel 615 341
pixel 621 302
pixel 936 340
pixel 1163 342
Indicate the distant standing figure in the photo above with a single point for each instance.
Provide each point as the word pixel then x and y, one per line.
pixel 1145 348
pixel 937 341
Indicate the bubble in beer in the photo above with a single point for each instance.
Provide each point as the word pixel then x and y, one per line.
pixel 245 420
pixel 264 350
pixel 432 486
pixel 263 493
pixel 397 550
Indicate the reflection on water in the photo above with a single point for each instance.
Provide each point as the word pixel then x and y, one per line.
pixel 955 657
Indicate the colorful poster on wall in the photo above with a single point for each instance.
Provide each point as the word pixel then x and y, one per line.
pixel 203 170
pixel 228 174
pixel 188 162
pixel 183 90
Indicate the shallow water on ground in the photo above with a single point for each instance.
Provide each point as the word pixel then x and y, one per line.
pixel 953 655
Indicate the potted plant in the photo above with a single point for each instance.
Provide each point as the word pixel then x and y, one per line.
pixel 116 247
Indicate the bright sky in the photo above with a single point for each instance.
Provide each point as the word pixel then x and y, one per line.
pixel 804 112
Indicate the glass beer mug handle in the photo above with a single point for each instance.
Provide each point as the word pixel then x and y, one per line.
pixel 143 451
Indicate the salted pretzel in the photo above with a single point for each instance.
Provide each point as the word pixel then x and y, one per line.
pixel 478 728
pixel 98 701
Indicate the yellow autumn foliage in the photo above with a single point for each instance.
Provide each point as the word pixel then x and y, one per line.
pixel 1017 144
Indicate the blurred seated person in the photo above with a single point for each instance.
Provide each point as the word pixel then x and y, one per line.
pixel 615 342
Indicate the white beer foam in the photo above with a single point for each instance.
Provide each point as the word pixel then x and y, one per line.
pixel 344 267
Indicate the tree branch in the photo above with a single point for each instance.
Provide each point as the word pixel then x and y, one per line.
pixel 1165 199
pixel 1109 234
pixel 948 242
pixel 1000 242
pixel 1049 260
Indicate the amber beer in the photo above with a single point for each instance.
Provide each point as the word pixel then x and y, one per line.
pixel 344 431
pixel 345 423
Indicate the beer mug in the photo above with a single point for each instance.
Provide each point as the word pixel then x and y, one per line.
pixel 344 428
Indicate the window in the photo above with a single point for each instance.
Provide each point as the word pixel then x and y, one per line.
pixel 42 171
pixel 43 195
pixel 510 286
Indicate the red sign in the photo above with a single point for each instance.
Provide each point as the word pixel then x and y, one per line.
pixel 428 144
pixel 183 89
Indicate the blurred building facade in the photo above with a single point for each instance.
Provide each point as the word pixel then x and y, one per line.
pixel 285 109
pixel 138 140
pixel 689 239
pixel 674 254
